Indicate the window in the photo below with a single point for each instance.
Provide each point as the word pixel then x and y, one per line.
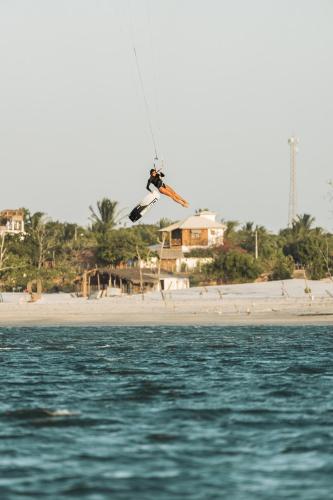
pixel 195 234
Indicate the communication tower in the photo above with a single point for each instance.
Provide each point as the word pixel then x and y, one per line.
pixel 293 144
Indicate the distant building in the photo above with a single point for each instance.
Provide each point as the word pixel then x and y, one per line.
pixel 11 221
pixel 173 260
pixel 197 231
pixel 130 280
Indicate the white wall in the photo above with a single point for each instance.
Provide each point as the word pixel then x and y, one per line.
pixel 173 283
pixel 192 262
pixel 215 236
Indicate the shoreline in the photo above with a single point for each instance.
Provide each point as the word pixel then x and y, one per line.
pixel 200 322
pixel 245 304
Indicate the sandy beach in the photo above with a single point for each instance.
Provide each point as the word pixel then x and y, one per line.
pixel 254 303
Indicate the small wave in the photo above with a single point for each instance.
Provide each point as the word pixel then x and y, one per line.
pixel 307 369
pixel 283 393
pixel 126 474
pixel 126 372
pixel 222 346
pixel 122 474
pixel 63 413
pixel 146 390
pixel 6 348
pixel 200 413
pixel 24 413
pixel 258 411
pixel 161 437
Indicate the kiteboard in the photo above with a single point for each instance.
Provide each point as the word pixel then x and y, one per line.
pixel 144 206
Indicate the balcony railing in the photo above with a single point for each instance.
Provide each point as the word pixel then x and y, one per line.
pixel 176 242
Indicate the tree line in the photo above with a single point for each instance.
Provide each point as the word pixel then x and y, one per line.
pixel 58 252
pixel 251 250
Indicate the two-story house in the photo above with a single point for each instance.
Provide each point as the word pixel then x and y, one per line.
pixel 197 231
pixel 11 221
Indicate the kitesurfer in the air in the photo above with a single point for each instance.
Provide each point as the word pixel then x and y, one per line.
pixel 156 179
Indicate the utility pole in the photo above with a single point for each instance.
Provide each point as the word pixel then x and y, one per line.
pixel 293 144
pixel 256 243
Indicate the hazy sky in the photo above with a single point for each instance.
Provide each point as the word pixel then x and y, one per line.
pixel 228 81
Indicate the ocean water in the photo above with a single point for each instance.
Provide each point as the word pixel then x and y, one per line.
pixel 166 412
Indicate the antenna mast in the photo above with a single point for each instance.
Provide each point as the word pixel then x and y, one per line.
pixel 293 144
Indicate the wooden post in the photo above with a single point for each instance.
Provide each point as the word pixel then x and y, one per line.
pixel 89 285
pixel 256 243
pixel 159 267
pixel 39 288
pixel 84 284
pixel 140 273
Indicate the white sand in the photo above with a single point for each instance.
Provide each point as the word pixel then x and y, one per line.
pixel 253 303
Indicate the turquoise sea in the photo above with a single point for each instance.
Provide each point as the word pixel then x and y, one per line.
pixel 166 413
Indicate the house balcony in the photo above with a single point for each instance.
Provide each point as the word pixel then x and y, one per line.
pixel 176 242
pixel 12 229
pixel 171 243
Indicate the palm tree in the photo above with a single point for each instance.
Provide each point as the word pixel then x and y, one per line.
pixel 246 236
pixel 267 242
pixel 300 228
pixel 248 227
pixel 105 217
pixel 302 225
pixel 40 238
pixel 3 250
pixel 230 233
pixel 307 245
pixel 231 226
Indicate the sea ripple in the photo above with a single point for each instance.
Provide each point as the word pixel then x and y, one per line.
pixel 168 412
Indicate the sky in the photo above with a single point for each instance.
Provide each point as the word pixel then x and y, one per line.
pixel 226 82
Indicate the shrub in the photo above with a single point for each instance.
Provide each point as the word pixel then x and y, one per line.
pixel 234 266
pixel 283 268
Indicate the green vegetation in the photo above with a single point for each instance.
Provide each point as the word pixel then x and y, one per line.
pixel 59 252
pixel 233 266
pixel 309 247
pixel 301 246
pixel 283 268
